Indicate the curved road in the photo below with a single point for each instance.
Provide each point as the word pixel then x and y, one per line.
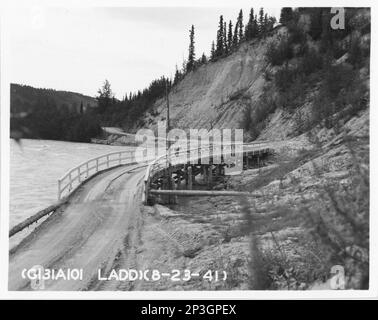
pixel 90 232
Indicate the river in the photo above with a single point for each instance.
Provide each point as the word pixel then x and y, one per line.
pixel 36 165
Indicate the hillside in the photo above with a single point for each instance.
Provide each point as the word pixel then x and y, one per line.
pixel 268 99
pixel 216 93
pixel 51 114
pixel 24 97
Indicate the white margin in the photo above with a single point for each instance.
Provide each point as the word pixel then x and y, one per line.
pixel 175 295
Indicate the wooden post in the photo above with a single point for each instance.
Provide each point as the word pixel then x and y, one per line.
pixel 79 174
pixel 173 199
pixel 59 183
pixel 186 175
pixel 204 172
pixel 87 172
pixel 193 176
pixel 210 174
pixel 178 182
pixel 97 165
pixel 190 178
pixel 146 191
pixel 164 187
pixel 70 182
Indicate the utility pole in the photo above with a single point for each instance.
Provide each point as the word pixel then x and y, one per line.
pixel 168 141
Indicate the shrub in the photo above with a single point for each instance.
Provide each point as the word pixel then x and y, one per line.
pixel 341 220
pixel 277 54
pixel 311 62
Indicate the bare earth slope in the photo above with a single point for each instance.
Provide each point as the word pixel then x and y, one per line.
pixel 216 94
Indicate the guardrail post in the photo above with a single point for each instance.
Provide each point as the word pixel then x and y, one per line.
pixel 120 157
pixel 70 179
pixel 97 165
pixel 146 190
pixel 210 174
pixel 190 178
pixel 87 171
pixel 107 161
pixel 79 174
pixel 59 183
pixel 173 199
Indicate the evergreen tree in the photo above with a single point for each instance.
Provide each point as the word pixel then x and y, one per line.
pixel 225 46
pixel 249 27
pixel 229 36
pixel 105 97
pixel 192 55
pixel 235 39
pixel 240 26
pixel 177 76
pixel 184 65
pixel 266 22
pixel 261 22
pixel 286 15
pixel 271 23
pixel 203 58
pixel 255 28
pixel 220 38
pixel 212 53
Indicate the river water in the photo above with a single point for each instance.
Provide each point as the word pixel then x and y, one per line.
pixel 35 167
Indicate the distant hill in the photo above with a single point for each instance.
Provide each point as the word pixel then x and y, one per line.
pixel 50 114
pixel 24 97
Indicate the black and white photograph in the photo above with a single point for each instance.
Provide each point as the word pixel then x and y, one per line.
pixel 186 148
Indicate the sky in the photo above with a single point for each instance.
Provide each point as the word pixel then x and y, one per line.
pixel 76 49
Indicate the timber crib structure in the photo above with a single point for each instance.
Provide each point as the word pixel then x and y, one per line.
pixel 164 181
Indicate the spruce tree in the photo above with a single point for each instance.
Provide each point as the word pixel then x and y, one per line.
pixel 229 36
pixel 225 46
pixel 220 48
pixel 240 26
pixel 105 97
pixel 192 55
pixel 235 39
pixel 177 77
pixel 212 53
pixel 255 28
pixel 266 22
pixel 261 22
pixel 249 27
pixel 286 15
pixel 271 23
pixel 203 58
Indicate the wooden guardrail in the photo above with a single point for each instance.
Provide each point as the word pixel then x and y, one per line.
pixel 34 218
pixel 75 176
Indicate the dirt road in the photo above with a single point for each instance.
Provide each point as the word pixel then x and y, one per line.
pixel 88 233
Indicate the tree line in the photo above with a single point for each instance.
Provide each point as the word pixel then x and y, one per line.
pixel 229 37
